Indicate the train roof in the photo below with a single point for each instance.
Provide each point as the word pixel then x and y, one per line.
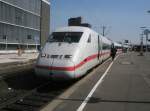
pixel 81 29
pixel 126 46
pixel 73 28
pixel 117 44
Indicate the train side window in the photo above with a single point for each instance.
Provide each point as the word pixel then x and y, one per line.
pixel 89 39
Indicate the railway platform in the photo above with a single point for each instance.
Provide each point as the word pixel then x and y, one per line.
pixel 122 86
pixel 10 63
pixel 10 58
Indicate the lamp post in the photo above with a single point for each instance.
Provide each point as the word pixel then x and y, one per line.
pixel 141 50
pixel 141 35
pixel 147 35
pixel 146 32
pixel 103 27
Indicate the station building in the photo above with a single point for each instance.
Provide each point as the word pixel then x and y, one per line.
pixel 24 24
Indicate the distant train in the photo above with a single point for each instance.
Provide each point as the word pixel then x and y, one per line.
pixel 71 51
pixel 119 47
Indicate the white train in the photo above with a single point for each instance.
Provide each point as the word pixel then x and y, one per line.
pixel 70 52
pixel 119 47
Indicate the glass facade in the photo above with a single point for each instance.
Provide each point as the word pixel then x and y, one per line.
pixel 19 24
pixel 29 5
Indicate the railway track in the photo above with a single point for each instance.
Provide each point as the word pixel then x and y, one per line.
pixel 22 100
pixel 29 98
pixel 6 69
pixel 32 100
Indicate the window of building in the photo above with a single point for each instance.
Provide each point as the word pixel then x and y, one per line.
pixel 19 17
pixel 29 37
pixel 4 37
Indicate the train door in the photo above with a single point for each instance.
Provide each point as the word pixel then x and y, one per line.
pixel 99 49
pixel 50 67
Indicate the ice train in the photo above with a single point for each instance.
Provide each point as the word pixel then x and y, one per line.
pixel 71 51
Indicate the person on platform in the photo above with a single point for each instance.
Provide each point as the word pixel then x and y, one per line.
pixel 113 51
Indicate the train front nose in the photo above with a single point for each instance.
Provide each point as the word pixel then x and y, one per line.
pixel 55 68
pixel 43 65
pixel 62 69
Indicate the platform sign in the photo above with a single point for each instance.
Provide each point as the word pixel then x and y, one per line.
pixel 146 31
pixel 126 41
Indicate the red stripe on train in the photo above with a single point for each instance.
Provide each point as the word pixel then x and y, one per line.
pixel 71 68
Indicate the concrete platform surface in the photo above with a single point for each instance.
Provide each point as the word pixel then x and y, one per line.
pixel 10 58
pixel 126 87
pixel 12 63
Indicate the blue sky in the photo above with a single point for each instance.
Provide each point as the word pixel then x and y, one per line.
pixel 123 18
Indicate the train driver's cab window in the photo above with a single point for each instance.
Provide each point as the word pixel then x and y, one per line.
pixel 89 39
pixel 68 37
